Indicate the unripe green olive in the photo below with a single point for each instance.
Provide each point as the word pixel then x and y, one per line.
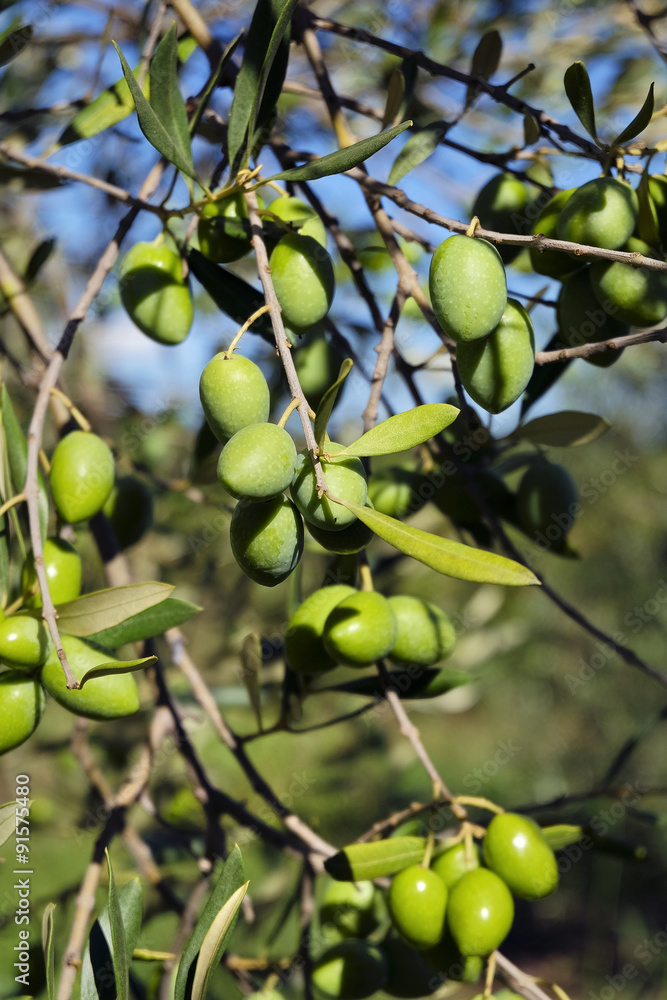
pixel 109 697
pixel 62 564
pixel 130 510
pixel 552 263
pixel 361 629
pixel 601 213
pixel 304 647
pixel 350 970
pixel 417 902
pixel 446 957
pixel 346 479
pixel 409 974
pixel 221 236
pixel 345 542
pixel 515 849
pixel 468 287
pixel 258 462
pixel 657 188
pixel 348 908
pixel 21 708
pixel 501 207
pixel 453 863
pixel 547 503
pixel 155 294
pixel 233 393
pixel 394 491
pixel 480 912
pixel 639 294
pixel 25 642
pixel 81 477
pixel 303 278
pixel 583 318
pixel 302 216
pixel 425 633
pixel 495 371
pixel 267 539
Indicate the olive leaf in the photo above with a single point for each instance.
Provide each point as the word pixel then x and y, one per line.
pixel 531 130
pixel 165 95
pixel 17 456
pixel 231 294
pixel 117 667
pixel 442 554
pixel 428 683
pixel 215 942
pixel 639 122
pixel 360 862
pixel 148 955
pixel 251 659
pixel 121 966
pixel 49 949
pixel 578 89
pixel 417 149
pixel 648 228
pixel 485 62
pixel 13 41
pixel 567 429
pixel 101 956
pixel 102 609
pixel 395 95
pixel 211 83
pixel 403 430
pixel 7 821
pixel 562 835
pixel 38 259
pixel 342 159
pixel 325 408
pixel 146 624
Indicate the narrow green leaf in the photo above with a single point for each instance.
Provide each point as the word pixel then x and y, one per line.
pixel 165 95
pixel 230 880
pixel 7 821
pixel 251 660
pixel 404 430
pixel 48 947
pixel 231 294
pixel 212 82
pixel 117 667
pixel 287 8
pixel 17 455
pixel 408 684
pixel 118 947
pixel 342 159
pixel 97 981
pixel 639 122
pixel 14 41
pixel 567 429
pixel 147 955
pixel 562 835
pixel 108 109
pixel 5 580
pixel 485 62
pixel 38 259
pixel 578 89
pixel 147 624
pixel 215 941
pixel 102 609
pixel 531 130
pixel 325 408
pixel 417 149
pixel 395 94
pixel 442 554
pixel 377 859
pixel 152 127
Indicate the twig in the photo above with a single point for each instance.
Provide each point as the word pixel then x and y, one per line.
pixel 384 351
pixel 601 346
pixel 518 980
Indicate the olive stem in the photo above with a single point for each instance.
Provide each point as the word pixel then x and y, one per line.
pixel 517 980
pixel 248 323
pixel 473 227
pixel 428 850
pixel 12 502
pixel 482 803
pixel 288 411
pixel 490 975
pixel 73 409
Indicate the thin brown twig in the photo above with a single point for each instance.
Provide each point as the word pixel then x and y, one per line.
pixel 601 346
pixel 384 352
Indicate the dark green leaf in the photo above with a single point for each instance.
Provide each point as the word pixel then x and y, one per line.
pixel 38 258
pixel 118 946
pixel 566 429
pixel 262 110
pixel 32 179
pixel 48 947
pixel 639 122
pixel 97 981
pixel 404 430
pixel 165 95
pixel 104 609
pixel 17 455
pixel 410 683
pixel 579 93
pixel 215 942
pixel 153 128
pixel 212 82
pixel 531 130
pixel 442 554
pixel 13 41
pixel 328 402
pixel 485 62
pixel 417 149
pixel 230 880
pixel 147 624
pixel 117 667
pixel 377 859
pixel 231 294
pixel 342 159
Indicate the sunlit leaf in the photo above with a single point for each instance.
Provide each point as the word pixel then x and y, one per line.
pixel 342 159
pixel 153 621
pixel 117 667
pixel 376 859
pixel 215 942
pixel 395 94
pixel 108 109
pixel 404 430
pixel 578 89
pixel 165 95
pixel 48 947
pixel 102 609
pixel 118 948
pixel 566 429
pixel 562 835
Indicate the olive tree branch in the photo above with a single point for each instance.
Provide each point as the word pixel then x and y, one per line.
pixel 601 346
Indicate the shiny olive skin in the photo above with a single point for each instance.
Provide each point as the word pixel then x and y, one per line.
pixel 496 370
pixel 601 213
pixel 21 707
pixel 110 697
pixel 258 462
pixel 303 277
pixel 62 564
pixel 639 294
pixel 304 648
pixel 552 263
pixel 221 238
pixel 468 287
pixel 501 206
pixel 417 903
pixel 267 539
pixel 583 318
pixel 547 504
pixel 155 294
pixel 347 541
pixel 130 510
pixel 302 216
pixel 350 970
pixel 81 476
pixel 360 630
pixel 348 908
pixel 480 912
pixel 515 849
pixel 25 642
pixel 346 479
pixel 233 394
pixel 453 863
pixel 425 633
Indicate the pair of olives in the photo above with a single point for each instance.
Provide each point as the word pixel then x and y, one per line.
pixel 339 624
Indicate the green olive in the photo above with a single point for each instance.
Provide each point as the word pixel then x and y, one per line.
pixel 267 539
pixel 425 633
pixel 62 564
pixel 155 294
pixel 409 975
pixel 515 849
pixel 453 863
pixel 552 263
pixel 480 912
pixel 111 697
pixel 302 217
pixel 234 394
pixel 657 188
pixel 25 642
pixel 496 370
pixel 222 237
pixel 345 478
pixel 583 319
pixel 417 903
pixel 345 542
pixel 361 629
pixel 130 510
pixel 446 957
pixel 638 294
pixel 502 206
pixel 81 477
pixel 21 708
pixel 601 213
pixel 350 970
pixel 258 462
pixel 317 363
pixel 304 647
pixel 303 278
pixel 468 287
pixel 547 504
pixel 395 491
pixel 349 908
